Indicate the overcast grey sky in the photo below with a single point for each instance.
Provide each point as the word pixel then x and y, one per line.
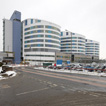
pixel 86 17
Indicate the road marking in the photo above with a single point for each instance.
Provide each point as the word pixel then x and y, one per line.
pixel 44 81
pixel 94 95
pixel 51 86
pixel 5 86
pixel 104 81
pixel 31 91
pixel 62 86
pixel 72 89
pixel 84 92
pixel 70 79
pixel 79 91
pixel 55 85
pixel 49 82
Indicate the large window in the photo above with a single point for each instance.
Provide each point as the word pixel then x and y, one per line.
pixel 31 41
pixel 54 46
pixel 68 44
pixel 35 31
pixel 52 27
pixel 25 22
pixel 31 21
pixel 33 27
pixel 68 38
pixel 68 50
pixel 34 45
pixel 52 41
pixel 40 55
pixel 33 36
pixel 61 33
pixel 66 33
pixel 51 36
pixel 68 41
pixel 52 32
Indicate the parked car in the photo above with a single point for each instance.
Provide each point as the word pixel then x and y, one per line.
pixel 67 67
pixel 50 67
pixel 102 69
pixel 79 68
pixel 97 67
pixel 89 68
pixel 59 67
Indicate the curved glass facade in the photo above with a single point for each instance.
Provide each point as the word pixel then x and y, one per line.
pixel 72 43
pixel 40 36
pixel 92 48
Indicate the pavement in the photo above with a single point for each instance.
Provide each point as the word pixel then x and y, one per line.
pixel 33 87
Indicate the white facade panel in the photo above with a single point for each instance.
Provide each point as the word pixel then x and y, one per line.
pixel 8 38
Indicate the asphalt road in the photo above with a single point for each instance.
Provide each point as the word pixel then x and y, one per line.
pixel 44 88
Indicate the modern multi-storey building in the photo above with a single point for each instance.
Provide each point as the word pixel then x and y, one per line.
pixel 79 47
pixel 41 39
pixel 92 48
pixel 72 43
pixel 12 35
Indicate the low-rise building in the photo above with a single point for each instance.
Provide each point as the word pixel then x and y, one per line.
pixel 7 56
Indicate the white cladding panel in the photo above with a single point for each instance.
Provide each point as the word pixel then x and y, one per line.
pixel 8 35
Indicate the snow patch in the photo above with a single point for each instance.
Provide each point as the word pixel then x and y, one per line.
pixel 13 73
pixel 9 73
pixel 0 69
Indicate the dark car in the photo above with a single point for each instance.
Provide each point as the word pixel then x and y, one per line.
pixel 67 67
pixel 102 69
pixel 59 67
pixel 50 67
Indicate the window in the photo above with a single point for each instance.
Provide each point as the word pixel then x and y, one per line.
pixel 49 40
pixel 52 27
pixel 73 33
pixel 49 27
pixel 54 46
pixel 49 36
pixel 61 33
pixel 25 22
pixel 38 45
pixel 31 27
pixel 66 33
pixel 49 31
pixel 38 20
pixel 31 21
pixel 31 31
pixel 53 32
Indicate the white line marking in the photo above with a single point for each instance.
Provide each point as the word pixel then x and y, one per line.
pixel 93 95
pixel 72 89
pixel 32 91
pixel 62 86
pixel 55 85
pixel 49 82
